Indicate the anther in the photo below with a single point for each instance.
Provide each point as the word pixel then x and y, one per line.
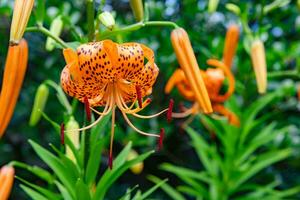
pixel 87 108
pixel 170 110
pixel 62 133
pixel 161 138
pixel 110 161
pixel 139 95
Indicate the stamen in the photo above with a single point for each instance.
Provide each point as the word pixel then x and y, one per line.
pixel 170 110
pixel 149 116
pixel 161 138
pixel 62 133
pixel 112 133
pixel 187 112
pixel 139 95
pixel 87 109
pixel 136 129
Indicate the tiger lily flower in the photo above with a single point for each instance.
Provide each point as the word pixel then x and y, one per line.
pixel 213 79
pixel 187 60
pixel 231 42
pixel 21 14
pixel 15 68
pixel 258 58
pixel 6 181
pixel 112 75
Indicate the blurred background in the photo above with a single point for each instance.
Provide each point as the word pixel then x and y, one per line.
pixel 279 30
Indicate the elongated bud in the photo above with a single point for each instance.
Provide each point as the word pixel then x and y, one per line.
pixel 7 174
pixel 137 9
pixel 40 101
pixel 259 64
pixel 21 13
pixel 137 168
pixel 73 134
pixel 14 72
pixel 56 28
pixel 107 20
pixel 212 5
pixel 233 8
pixel 231 42
pixel 187 60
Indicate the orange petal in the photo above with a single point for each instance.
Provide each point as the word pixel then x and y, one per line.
pixel 231 42
pixel 176 77
pixel 188 63
pixel 14 73
pixel 259 64
pixel 6 181
pixel 230 90
pixel 232 118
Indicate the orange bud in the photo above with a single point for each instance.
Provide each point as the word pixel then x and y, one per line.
pixel 187 60
pixel 21 14
pixel 231 42
pixel 6 181
pixel 259 64
pixel 15 68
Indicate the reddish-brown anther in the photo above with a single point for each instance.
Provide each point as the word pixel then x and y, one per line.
pixel 161 139
pixel 62 133
pixel 139 95
pixel 170 110
pixel 110 161
pixel 87 108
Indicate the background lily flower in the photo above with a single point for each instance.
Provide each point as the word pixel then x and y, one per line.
pixel 231 42
pixel 258 58
pixel 187 60
pixel 111 75
pixel 15 68
pixel 6 181
pixel 21 14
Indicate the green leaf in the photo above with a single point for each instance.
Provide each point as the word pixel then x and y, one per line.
pixel 261 162
pixel 82 190
pixel 93 164
pixel 110 176
pixel 47 193
pixel 181 171
pixel 173 193
pixel 56 165
pixel 152 189
pixel 33 194
pixel 64 192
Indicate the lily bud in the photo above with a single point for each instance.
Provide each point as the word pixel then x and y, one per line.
pixel 212 5
pixel 21 14
pixel 56 28
pixel 231 42
pixel 40 101
pixel 72 133
pixel 137 168
pixel 233 8
pixel 138 9
pixel 14 71
pixel 6 181
pixel 187 60
pixel 259 64
pixel 107 20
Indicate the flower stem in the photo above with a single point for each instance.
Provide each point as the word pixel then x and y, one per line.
pixel 280 74
pixel 90 11
pixel 46 32
pixel 135 27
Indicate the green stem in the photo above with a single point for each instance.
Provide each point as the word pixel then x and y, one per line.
pixel 46 32
pixel 90 9
pixel 280 74
pixel 135 27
